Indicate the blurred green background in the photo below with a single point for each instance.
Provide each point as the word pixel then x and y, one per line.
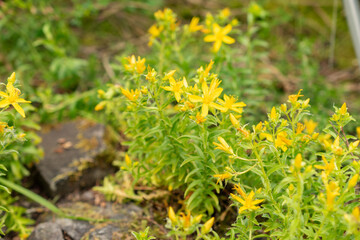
pixel 62 48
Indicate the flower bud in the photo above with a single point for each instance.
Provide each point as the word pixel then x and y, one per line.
pixel 172 216
pixel 298 161
pixel 234 121
pixel 306 103
pixel 100 106
pixel 197 219
pixel 353 181
pixel 207 226
pixel 343 109
pixel 12 78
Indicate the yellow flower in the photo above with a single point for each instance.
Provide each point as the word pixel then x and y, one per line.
pixel 294 98
pixel 176 88
pixel 219 36
pixel 131 95
pixel 244 131
pixel 172 215
pixel 310 125
pixel 185 220
pixel 151 75
pixel 3 125
pixel 166 15
pixel 329 167
pixel 12 97
pixel 199 118
pixel 223 146
pixel 247 201
pixel 154 32
pixel 343 109
pixel 239 190
pixel 300 127
pixel 135 65
pixel 282 142
pixel 204 73
pixel 209 96
pixel 225 13
pixel 230 103
pixel 207 225
pixel 335 147
pixel 193 26
pixel 169 75
pixel 332 190
pixel 222 177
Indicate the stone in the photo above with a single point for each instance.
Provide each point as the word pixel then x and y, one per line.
pixel 75 229
pixel 73 157
pixel 46 231
pixel 120 216
pixel 104 233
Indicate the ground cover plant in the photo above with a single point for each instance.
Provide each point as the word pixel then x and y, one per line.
pixel 224 116
pixel 290 181
pixel 187 137
pixel 10 137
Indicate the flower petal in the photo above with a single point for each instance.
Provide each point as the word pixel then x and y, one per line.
pixel 218 107
pixel 210 38
pixel 204 110
pixel 194 98
pixel 4 103
pixel 19 109
pixel 228 40
pixel 217 45
pixel 227 29
pixel 4 95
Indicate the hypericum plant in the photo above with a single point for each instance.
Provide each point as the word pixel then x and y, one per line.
pixel 290 181
pixel 172 131
pixel 307 191
pixel 237 50
pixel 11 216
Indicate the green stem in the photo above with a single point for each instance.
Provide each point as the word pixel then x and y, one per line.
pixel 267 181
pixel 250 227
pixel 321 226
pixel 161 58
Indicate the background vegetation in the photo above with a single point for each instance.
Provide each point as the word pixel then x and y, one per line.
pixel 63 52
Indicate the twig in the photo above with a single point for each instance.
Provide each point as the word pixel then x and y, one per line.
pixel 333 34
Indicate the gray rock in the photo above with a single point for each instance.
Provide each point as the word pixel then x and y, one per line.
pixel 46 231
pixel 73 228
pixel 104 233
pixel 121 215
pixel 72 153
